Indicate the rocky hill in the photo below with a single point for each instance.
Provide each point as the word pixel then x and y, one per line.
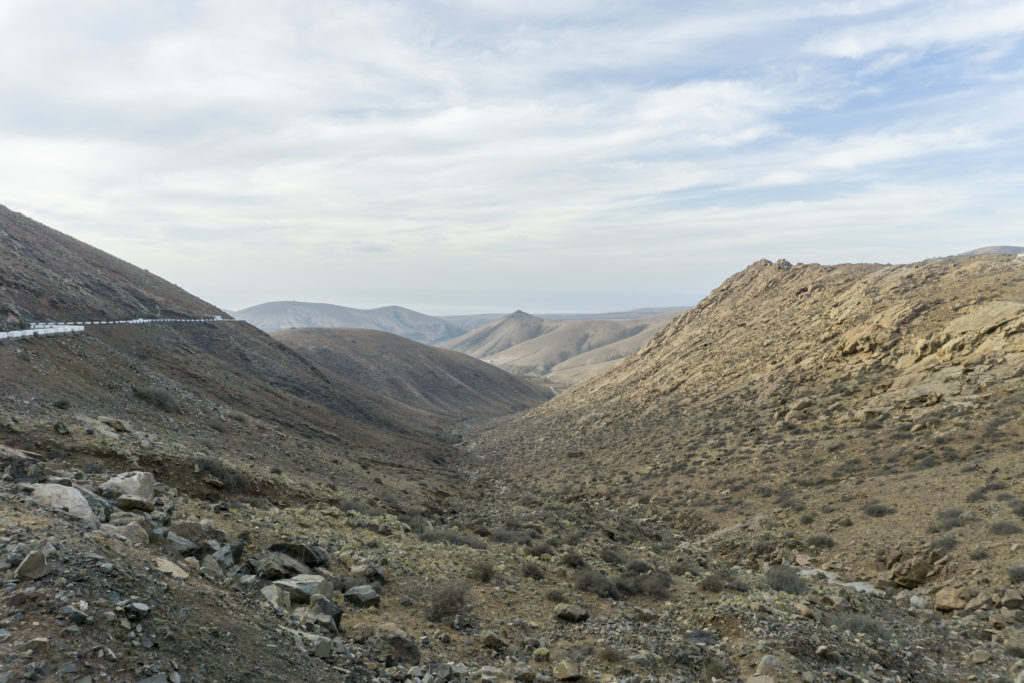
pixel 565 351
pixel 1003 249
pixel 449 384
pixel 283 315
pixel 47 275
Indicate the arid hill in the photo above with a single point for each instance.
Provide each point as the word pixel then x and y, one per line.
pixel 450 384
pixel 1002 249
pixel 565 351
pixel 283 315
pixel 860 403
pixel 47 275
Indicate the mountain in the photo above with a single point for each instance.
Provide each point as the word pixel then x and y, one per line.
pixel 450 384
pixel 47 275
pixel 560 350
pixel 282 315
pixel 808 400
pixel 994 250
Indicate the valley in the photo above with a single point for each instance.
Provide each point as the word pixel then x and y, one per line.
pixel 812 475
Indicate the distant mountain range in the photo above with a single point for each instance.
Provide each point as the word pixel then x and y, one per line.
pixel 283 315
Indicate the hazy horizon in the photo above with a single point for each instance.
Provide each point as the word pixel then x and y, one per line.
pixel 469 155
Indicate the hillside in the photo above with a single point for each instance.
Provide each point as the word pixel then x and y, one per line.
pixel 859 403
pixel 450 384
pixel 994 250
pixel 47 275
pixel 565 351
pixel 283 315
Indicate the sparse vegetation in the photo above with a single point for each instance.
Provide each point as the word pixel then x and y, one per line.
pixel 532 570
pixel 785 579
pixel 1003 528
pixel 855 622
pixel 949 518
pixel 157 397
pixel 482 571
pixel 448 600
pixel 821 541
pixel 221 475
pixel 1016 574
pixel 877 510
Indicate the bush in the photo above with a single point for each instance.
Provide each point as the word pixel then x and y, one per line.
pixel 1003 528
pixel 979 554
pixel 877 510
pixel 858 623
pixel 1016 574
pixel 538 549
pixel 452 537
pixel 785 579
pixel 555 595
pixel 160 398
pixel 482 571
pixel 949 518
pixel 62 404
pixel 944 544
pixel 449 600
pixel 505 535
pixel 597 583
pixel 656 585
pixel 532 570
pixel 230 479
pixel 573 559
pixel 821 541
pixel 637 567
pixel 612 556
pixel 1017 507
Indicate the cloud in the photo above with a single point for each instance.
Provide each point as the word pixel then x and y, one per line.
pixel 485 146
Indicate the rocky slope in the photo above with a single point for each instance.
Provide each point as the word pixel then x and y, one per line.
pixel 47 275
pixel 283 315
pixel 451 385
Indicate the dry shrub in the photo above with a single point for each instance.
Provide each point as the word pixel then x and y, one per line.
pixel 448 600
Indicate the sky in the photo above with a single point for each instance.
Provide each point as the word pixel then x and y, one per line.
pixel 465 156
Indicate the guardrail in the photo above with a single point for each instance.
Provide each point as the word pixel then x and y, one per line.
pixel 51 328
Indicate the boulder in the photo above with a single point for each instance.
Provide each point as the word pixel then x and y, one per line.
pixel 310 555
pixel 770 665
pixel 949 599
pixel 66 498
pixel 133 533
pixel 303 587
pixel 276 596
pixel 273 566
pixel 129 503
pixel 180 544
pixel 36 565
pixel 401 648
pixel 165 566
pixel 132 484
pixel 493 641
pixel 571 613
pixel 362 596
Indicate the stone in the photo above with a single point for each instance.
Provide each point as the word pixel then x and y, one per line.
pixel 180 544
pixel 311 556
pixel 224 557
pixel 324 606
pixel 401 648
pixel 114 423
pixel 541 654
pixel 571 613
pixel 165 566
pixel 276 596
pixel 273 566
pixel 34 566
pixel 566 670
pixel 128 503
pixel 949 599
pixel 493 641
pixel 1012 598
pixel 302 587
pixel 770 665
pixel 133 533
pixel 211 568
pixel 362 596
pixel 66 498
pixel 761 679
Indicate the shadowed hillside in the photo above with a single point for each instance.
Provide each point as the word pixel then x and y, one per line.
pixel 450 384
pixel 47 275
